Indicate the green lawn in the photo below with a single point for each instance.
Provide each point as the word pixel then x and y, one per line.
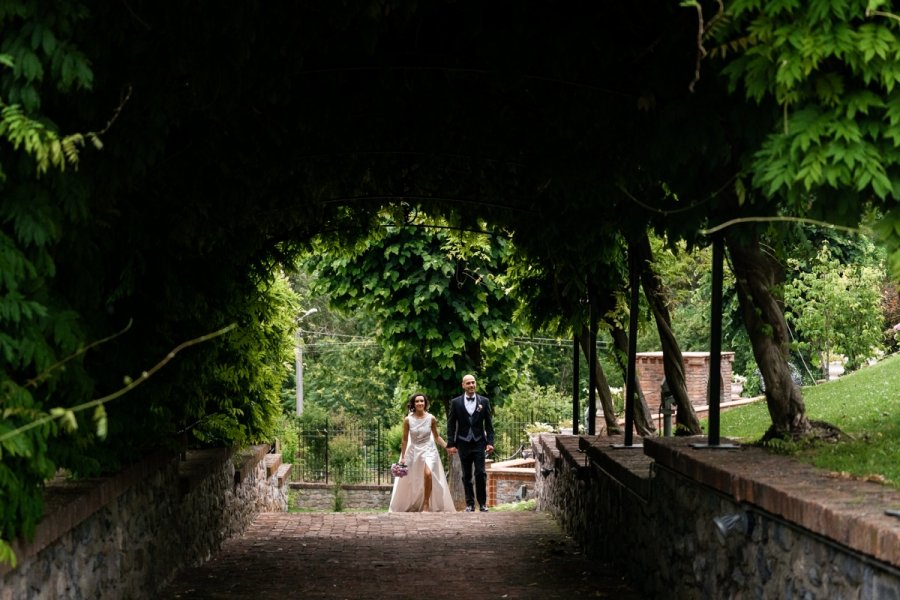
pixel 864 404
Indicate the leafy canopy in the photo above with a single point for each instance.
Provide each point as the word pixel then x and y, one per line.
pixel 438 298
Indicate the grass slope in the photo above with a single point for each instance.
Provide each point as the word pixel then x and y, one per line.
pixel 864 404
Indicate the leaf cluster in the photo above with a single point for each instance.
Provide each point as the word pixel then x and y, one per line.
pixel 833 69
pixel 438 299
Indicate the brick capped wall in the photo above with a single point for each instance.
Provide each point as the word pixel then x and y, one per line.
pixel 505 478
pixel 127 535
pixel 652 511
pixel 696 373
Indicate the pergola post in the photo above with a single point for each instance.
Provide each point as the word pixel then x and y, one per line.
pixel 631 378
pixel 714 387
pixel 592 361
pixel 576 410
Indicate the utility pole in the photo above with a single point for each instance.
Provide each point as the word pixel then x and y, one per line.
pixel 298 356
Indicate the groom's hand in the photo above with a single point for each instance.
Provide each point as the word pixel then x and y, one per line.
pixel 488 449
pixel 451 450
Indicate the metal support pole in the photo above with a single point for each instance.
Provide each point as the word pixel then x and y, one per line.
pixel 715 342
pixel 298 356
pixel 631 384
pixel 714 387
pixel 666 408
pixel 327 444
pixel 592 369
pixel 576 409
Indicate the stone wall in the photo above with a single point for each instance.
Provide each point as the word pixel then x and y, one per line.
pixel 503 484
pixel 320 496
pixel 651 510
pixel 505 479
pixel 127 536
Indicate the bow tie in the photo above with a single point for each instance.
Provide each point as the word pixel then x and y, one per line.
pixel 470 398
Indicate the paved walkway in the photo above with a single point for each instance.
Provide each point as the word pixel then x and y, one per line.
pixel 356 556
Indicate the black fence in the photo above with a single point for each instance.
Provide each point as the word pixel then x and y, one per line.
pixel 363 455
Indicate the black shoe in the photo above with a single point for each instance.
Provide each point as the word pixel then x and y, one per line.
pixel 470 509
pixel 483 508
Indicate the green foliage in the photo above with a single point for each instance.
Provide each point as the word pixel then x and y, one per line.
pixel 539 427
pixel 440 307
pixel 835 307
pixel 343 457
pixel 395 439
pixel 217 171
pixel 241 391
pixel 687 275
pixel 349 374
pixel 40 142
pixel 286 432
pixel 38 328
pixel 338 501
pixel 24 462
pixel 526 410
pixel 37 51
pixel 535 403
pixel 833 69
pixel 343 454
pixel 523 506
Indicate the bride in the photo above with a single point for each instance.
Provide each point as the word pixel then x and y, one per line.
pixel 425 486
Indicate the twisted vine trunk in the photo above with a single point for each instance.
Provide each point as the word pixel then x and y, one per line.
pixel 643 421
pixel 455 482
pixel 606 403
pixel 686 422
pixel 757 274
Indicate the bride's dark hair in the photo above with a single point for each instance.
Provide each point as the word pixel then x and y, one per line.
pixel 411 403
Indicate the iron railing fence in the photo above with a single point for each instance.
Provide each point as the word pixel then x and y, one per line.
pixel 363 454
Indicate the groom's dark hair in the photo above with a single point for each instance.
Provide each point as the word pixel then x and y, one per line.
pixel 411 403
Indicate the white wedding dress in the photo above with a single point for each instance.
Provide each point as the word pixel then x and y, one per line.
pixel 409 491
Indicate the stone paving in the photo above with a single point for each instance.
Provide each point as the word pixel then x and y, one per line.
pixel 356 556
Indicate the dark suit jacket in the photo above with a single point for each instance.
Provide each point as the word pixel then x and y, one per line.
pixel 458 423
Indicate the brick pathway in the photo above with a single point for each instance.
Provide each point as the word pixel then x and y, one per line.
pixel 379 555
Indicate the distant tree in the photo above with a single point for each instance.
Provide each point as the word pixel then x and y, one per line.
pixel 834 307
pixel 350 374
pixel 438 301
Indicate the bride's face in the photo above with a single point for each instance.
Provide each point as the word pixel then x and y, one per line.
pixel 420 404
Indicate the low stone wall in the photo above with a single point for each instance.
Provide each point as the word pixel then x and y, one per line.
pixel 127 536
pixel 651 510
pixel 503 485
pixel 506 479
pixel 320 496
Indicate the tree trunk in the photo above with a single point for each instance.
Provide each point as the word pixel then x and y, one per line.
pixel 606 403
pixel 686 422
pixel 455 482
pixel 643 421
pixel 756 276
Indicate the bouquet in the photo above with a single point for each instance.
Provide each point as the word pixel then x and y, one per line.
pixel 399 469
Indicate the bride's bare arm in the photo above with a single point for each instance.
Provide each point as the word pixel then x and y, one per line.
pixel 405 439
pixel 437 436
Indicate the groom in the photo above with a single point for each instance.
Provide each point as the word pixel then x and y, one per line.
pixel 470 432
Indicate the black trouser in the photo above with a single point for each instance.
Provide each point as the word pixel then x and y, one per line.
pixel 472 454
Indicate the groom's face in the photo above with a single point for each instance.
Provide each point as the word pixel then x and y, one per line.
pixel 468 385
